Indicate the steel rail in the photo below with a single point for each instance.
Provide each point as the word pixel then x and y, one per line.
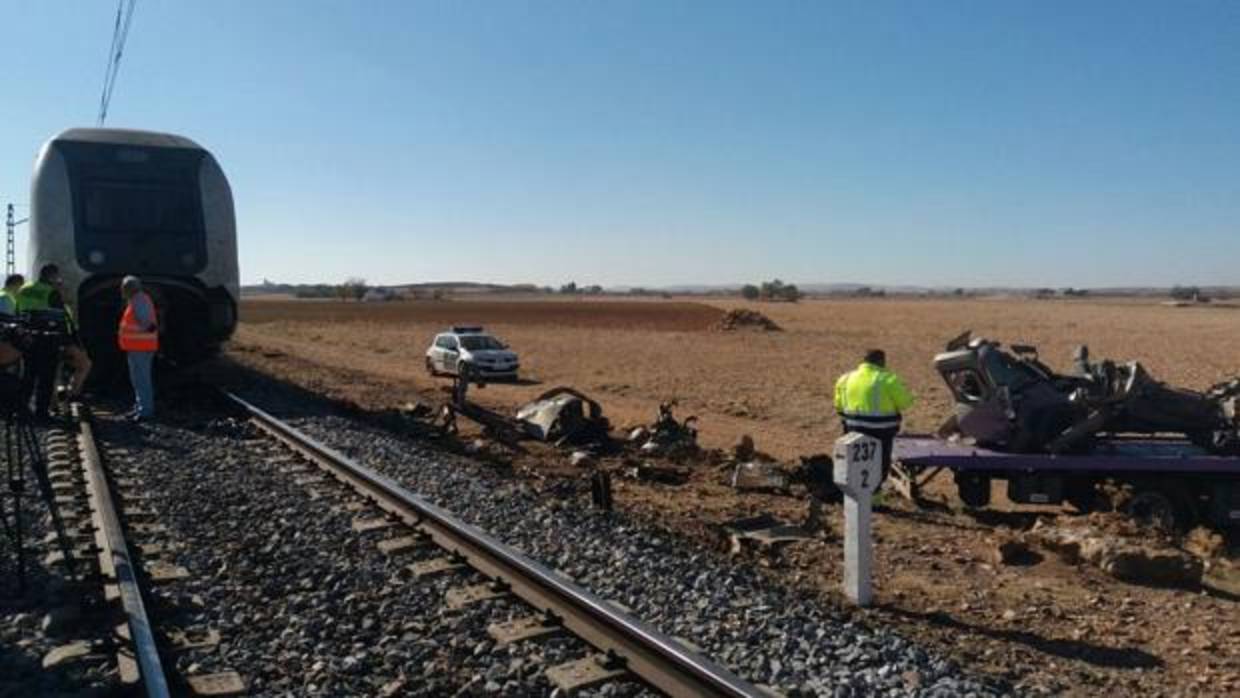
pixel 655 658
pixel 115 561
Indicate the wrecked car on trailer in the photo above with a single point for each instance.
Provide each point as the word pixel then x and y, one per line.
pixel 1009 400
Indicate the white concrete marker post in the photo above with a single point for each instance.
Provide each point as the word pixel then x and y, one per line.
pixel 858 466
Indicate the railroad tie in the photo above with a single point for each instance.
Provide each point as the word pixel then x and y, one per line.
pixel 438 565
pixel 520 629
pixel 579 674
pixel 400 544
pixel 457 598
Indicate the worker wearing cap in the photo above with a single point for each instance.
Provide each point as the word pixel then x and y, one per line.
pixel 138 337
pixel 870 400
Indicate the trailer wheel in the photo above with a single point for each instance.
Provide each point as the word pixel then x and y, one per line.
pixel 973 489
pixel 1163 506
pixel 1081 494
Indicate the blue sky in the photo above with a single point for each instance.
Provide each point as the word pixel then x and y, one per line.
pixel 954 143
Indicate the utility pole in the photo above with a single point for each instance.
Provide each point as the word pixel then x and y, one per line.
pixel 10 248
pixel 10 251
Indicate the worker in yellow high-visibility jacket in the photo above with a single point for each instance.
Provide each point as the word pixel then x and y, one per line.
pixel 870 400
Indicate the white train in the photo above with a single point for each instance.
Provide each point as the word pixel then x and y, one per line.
pixel 109 202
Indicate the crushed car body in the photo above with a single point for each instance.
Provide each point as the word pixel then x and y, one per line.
pixel 563 415
pixel 1007 399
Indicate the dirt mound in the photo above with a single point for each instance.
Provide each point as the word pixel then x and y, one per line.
pixel 1122 551
pixel 741 319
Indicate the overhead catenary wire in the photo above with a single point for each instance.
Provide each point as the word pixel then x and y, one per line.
pixel 120 32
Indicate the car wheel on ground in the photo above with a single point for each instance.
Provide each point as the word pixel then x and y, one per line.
pixel 430 367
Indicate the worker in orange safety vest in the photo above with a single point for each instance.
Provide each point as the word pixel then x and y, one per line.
pixel 138 337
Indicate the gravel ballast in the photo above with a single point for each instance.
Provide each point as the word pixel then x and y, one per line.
pixel 54 638
pixel 738 617
pixel 303 604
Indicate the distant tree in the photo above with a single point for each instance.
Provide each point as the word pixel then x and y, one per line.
pixel 437 294
pixel 354 287
pixel 593 290
pixel 750 292
pixel 570 287
pixel 776 290
pixel 958 292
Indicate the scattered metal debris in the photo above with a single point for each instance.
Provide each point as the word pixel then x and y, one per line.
pixel 417 410
pixel 648 472
pixel 600 489
pixel 565 416
pixel 760 477
pixel 764 532
pixel 668 436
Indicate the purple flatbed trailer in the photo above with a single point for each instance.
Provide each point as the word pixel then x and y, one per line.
pixel 1124 455
pixel 1169 477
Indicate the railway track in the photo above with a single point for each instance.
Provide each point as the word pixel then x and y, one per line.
pixel 119 570
pixel 113 554
pixel 317 575
pixel 625 646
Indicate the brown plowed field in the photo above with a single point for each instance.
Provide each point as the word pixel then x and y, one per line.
pixel 662 316
pixel 776 386
pixel 1050 627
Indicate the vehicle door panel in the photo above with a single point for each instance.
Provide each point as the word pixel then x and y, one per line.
pixel 450 354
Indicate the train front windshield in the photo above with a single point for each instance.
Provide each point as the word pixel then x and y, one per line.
pixel 119 208
pixel 138 210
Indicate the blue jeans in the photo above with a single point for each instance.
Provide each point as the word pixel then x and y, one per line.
pixel 140 379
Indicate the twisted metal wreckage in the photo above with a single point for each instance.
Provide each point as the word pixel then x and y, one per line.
pixel 1009 400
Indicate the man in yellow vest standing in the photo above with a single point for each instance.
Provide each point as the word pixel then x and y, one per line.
pixel 870 400
pixel 39 371
pixel 138 337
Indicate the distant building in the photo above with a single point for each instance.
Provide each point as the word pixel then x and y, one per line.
pixel 378 294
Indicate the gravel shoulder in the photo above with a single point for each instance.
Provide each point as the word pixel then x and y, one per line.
pixel 1049 627
pixel 769 634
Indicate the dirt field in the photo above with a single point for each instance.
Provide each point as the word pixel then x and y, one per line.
pixel 775 386
pixel 1048 627
pixel 431 317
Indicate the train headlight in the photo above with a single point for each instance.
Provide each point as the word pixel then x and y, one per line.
pixel 96 257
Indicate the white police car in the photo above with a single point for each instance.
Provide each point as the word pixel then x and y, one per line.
pixel 472 350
